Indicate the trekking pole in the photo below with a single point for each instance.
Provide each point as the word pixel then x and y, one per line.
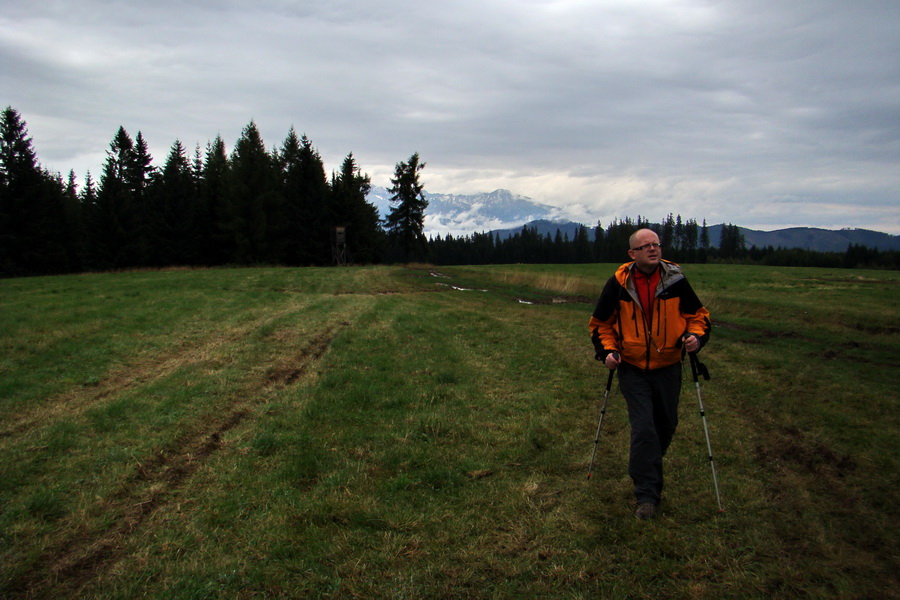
pixel 600 424
pixel 698 368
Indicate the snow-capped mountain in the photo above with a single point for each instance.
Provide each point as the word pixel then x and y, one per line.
pixel 503 213
pixel 459 215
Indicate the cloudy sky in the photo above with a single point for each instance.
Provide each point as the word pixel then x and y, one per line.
pixel 761 113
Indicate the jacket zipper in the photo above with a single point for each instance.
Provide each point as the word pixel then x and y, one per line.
pixel 647 314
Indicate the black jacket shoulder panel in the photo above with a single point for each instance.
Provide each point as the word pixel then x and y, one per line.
pixel 608 302
pixel 690 303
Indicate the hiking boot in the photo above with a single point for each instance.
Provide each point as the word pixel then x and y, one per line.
pixel 645 510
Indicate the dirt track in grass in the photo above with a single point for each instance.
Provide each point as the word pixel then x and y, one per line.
pixel 70 563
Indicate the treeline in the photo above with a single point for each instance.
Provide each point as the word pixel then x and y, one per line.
pixel 682 241
pixel 252 206
pixel 259 206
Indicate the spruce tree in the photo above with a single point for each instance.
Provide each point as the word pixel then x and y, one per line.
pixel 73 224
pixel 140 176
pixel 731 242
pixel 216 248
pixel 582 245
pixel 703 244
pixel 350 209
pixel 406 221
pixel 599 243
pixel 667 235
pixel 32 206
pixel 617 238
pixel 305 190
pixel 88 194
pixel 678 240
pixel 704 236
pixel 251 196
pixel 689 240
pixel 113 221
pixel 173 233
pixel 19 178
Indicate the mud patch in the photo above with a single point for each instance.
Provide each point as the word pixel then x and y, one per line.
pixel 789 447
pixel 294 369
pixel 877 329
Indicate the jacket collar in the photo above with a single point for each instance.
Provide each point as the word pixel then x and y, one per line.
pixel 669 273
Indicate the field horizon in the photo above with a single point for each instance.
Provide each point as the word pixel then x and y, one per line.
pixel 425 432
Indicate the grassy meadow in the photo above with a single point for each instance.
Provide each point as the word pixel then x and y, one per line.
pixel 412 432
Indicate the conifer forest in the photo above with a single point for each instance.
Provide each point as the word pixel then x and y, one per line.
pixel 252 206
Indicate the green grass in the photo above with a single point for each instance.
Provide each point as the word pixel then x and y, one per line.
pixel 380 433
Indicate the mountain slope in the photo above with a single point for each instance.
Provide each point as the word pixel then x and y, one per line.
pixel 504 214
pixel 812 238
pixel 459 214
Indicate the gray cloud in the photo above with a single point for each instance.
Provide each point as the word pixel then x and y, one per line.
pixel 761 113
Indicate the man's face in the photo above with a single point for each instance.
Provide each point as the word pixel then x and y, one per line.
pixel 646 257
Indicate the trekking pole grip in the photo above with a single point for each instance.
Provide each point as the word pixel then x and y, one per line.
pixel 698 368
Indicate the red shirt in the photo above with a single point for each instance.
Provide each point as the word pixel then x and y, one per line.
pixel 645 285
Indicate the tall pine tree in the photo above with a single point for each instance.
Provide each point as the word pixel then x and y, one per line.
pixel 32 206
pixel 114 221
pixel 214 215
pixel 306 202
pixel 19 181
pixel 350 209
pixel 252 194
pixel 731 242
pixel 406 221
pixel 174 213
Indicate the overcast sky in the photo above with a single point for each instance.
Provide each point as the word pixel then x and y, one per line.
pixel 761 113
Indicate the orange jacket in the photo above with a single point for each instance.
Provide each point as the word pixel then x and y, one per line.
pixel 648 341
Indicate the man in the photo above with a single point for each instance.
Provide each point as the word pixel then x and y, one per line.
pixel 645 319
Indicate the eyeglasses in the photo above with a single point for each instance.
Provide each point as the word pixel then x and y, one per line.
pixel 648 246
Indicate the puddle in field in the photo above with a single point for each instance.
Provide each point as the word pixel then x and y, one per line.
pixel 460 289
pixel 452 287
pixel 554 300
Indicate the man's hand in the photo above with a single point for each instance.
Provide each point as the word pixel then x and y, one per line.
pixel 612 361
pixel 691 343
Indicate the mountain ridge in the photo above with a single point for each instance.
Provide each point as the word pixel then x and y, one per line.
pixel 806 238
pixel 503 213
pixel 464 214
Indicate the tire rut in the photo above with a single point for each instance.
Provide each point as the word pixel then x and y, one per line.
pixel 74 402
pixel 70 564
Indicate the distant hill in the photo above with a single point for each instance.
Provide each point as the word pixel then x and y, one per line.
pixel 807 238
pixel 812 238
